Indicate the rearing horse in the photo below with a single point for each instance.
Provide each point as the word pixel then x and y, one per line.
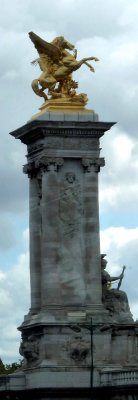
pixel 56 63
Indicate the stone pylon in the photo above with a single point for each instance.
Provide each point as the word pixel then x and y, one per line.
pixel 70 339
pixel 63 165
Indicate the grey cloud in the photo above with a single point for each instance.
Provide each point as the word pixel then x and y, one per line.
pixel 13 184
pixel 113 91
pixel 74 19
pixel 120 173
pixel 14 192
pixel 128 256
pixel 8 237
pixel 69 19
pixel 14 303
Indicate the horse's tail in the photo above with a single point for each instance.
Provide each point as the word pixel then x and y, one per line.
pixel 36 89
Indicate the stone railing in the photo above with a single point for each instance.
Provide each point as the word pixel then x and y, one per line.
pixel 119 377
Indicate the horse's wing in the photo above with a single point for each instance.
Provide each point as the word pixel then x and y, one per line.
pixel 44 47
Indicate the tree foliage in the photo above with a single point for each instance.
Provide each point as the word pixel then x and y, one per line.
pixel 9 368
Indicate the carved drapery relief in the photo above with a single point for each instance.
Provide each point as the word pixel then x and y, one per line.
pixel 71 251
pixel 95 163
pixel 70 207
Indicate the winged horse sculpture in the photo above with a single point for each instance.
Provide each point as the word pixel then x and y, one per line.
pixel 57 61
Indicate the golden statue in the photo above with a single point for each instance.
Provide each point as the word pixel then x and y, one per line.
pixel 57 65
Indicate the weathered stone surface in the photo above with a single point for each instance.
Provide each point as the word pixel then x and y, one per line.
pixel 63 162
pixel 69 337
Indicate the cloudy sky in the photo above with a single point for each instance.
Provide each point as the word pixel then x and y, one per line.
pixel 109 30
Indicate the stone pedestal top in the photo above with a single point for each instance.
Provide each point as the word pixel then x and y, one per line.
pixel 66 116
pixel 62 124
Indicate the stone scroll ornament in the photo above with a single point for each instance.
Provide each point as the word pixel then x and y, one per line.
pixel 57 61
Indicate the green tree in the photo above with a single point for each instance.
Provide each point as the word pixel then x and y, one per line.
pixel 2 367
pixel 9 368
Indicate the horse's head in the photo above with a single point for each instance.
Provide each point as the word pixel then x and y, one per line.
pixel 68 45
pixel 62 43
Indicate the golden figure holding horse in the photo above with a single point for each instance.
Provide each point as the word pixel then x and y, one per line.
pixel 57 61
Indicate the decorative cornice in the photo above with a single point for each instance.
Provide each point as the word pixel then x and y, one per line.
pixel 35 130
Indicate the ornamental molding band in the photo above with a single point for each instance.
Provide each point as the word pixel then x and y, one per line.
pixel 34 148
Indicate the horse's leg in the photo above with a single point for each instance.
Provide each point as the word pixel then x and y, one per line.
pixel 36 89
pixel 90 66
pixel 77 64
pixel 47 81
pixel 84 61
pixel 90 58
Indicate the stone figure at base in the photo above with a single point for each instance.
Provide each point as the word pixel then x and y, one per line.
pixel 115 300
pixel 106 278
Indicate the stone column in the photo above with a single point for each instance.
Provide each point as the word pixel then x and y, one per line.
pixel 35 234
pixel 71 209
pixel 92 261
pixel 50 284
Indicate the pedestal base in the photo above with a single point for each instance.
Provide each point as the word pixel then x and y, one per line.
pixel 77 343
pixel 64 105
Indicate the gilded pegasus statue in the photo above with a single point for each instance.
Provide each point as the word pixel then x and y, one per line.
pixel 57 61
